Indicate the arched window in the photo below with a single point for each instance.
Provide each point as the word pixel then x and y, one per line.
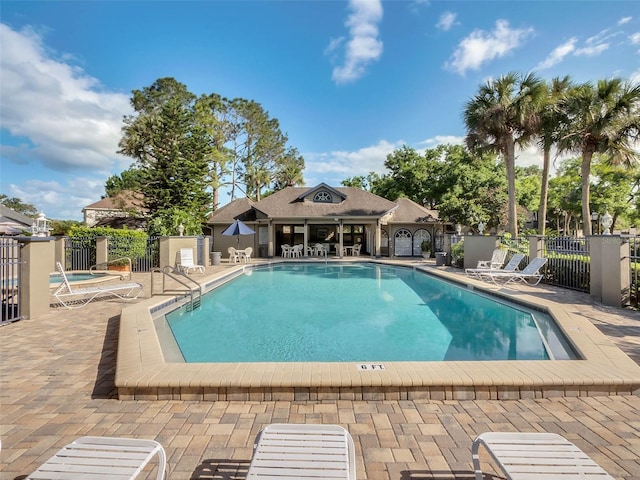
pixel 402 244
pixel 322 196
pixel 418 237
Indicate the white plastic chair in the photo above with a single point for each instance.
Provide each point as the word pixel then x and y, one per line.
pixel 233 255
pixel 286 250
pixel 529 273
pixel 186 263
pixel 102 457
pixel 536 456
pixel 356 250
pixel 511 266
pixel 246 254
pixel 497 259
pixel 303 452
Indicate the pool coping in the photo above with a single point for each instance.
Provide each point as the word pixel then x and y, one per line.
pixel 143 373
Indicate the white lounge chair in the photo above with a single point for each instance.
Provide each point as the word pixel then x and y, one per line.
pixel 511 266
pixel 185 262
pixel 303 451
pixel 536 456
pixel 530 273
pixel 102 457
pixel 79 297
pixel 497 260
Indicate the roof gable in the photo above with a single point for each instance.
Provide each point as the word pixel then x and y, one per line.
pixel 322 193
pixel 238 209
pixel 409 211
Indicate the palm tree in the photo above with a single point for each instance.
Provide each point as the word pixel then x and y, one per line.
pixel 503 115
pixel 550 121
pixel 603 119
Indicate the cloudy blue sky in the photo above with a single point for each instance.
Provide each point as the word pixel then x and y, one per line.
pixel 349 81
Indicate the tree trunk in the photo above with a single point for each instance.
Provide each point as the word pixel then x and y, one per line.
pixel 544 192
pixel 585 171
pixel 511 185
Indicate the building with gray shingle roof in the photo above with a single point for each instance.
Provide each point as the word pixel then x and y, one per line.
pixel 332 216
pixel 14 223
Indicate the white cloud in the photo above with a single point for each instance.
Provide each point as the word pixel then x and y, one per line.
pixel 59 201
pixel 333 167
pixel 482 46
pixel 592 51
pixel 363 45
pixel 442 140
pixel 558 54
pixel 69 120
pixel 635 38
pixel 624 20
pixel 447 20
pixel 635 76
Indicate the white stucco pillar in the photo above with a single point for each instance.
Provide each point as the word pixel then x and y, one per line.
pixel 271 244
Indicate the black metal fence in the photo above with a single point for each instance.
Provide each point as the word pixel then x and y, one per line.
pixel 569 262
pixel 151 258
pixel 79 253
pixel 10 259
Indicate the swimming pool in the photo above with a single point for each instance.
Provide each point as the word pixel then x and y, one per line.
pixel 56 278
pixel 362 312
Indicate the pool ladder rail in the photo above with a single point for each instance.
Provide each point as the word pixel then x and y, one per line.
pixel 195 294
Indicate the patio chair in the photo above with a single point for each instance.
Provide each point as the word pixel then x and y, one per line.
pixel 287 250
pixel 79 297
pixel 530 273
pixel 102 457
pixel 185 262
pixel 356 250
pixel 246 254
pixel 536 456
pixel 511 266
pixel 296 251
pixel 497 259
pixel 233 255
pixel 303 451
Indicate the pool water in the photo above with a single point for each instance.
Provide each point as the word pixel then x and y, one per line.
pixel 361 313
pixel 55 278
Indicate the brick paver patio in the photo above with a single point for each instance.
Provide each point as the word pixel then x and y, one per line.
pixel 57 375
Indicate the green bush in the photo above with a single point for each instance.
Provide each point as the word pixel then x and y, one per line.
pixel 121 242
pixel 457 254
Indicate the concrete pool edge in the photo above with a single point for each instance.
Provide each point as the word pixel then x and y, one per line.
pixel 143 373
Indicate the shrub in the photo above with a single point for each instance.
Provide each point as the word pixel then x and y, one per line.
pixel 122 242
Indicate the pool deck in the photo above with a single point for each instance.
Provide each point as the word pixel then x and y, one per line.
pixel 57 375
pixel 144 374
